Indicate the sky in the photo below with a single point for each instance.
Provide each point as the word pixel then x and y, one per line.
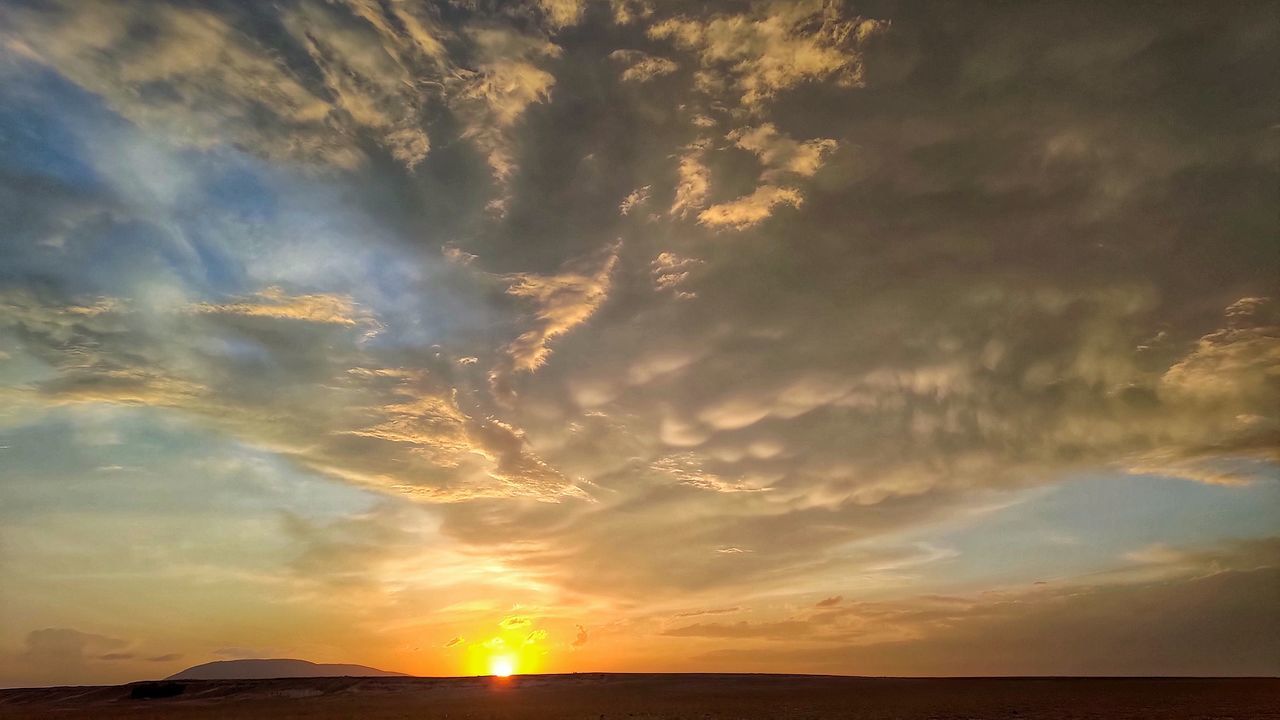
pixel 883 338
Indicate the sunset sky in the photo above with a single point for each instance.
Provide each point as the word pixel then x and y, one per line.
pixel 909 338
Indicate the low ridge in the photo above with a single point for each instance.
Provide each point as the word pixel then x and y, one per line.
pixel 260 669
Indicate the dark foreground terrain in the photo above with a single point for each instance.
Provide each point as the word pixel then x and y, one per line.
pixel 638 697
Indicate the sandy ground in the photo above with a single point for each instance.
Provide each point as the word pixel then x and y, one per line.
pixel 641 697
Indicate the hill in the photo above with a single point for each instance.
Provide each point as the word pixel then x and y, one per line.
pixel 262 669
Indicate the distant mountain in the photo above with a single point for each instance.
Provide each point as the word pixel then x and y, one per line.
pixel 275 668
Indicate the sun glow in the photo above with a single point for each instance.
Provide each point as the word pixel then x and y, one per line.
pixel 502 666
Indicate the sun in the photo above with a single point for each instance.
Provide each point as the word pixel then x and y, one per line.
pixel 501 666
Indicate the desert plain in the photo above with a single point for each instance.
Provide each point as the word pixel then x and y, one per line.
pixel 599 696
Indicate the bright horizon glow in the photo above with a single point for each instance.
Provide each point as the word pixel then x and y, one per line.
pixel 502 666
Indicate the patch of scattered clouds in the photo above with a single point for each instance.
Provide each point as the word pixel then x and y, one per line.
pixel 750 210
pixel 781 154
pixel 560 302
pixel 642 67
pixel 694 180
pixel 626 12
pixel 670 272
pixel 634 199
pixel 688 469
pixel 774 46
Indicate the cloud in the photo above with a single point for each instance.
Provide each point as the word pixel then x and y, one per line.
pixel 642 67
pixel 687 469
pixel 774 47
pixel 626 12
pixel 563 13
pixel 694 181
pixel 1210 601
pixel 776 630
pixel 749 210
pixel 211 76
pixel 274 303
pixel 187 72
pixel 581 638
pixel 458 640
pixel 713 611
pixel 116 656
pixel 51 648
pixel 369 82
pixel 634 199
pixel 560 302
pixel 514 622
pixel 779 153
pixel 408 434
pixel 1237 364
pixel 829 602
pixel 671 271
pixel 491 97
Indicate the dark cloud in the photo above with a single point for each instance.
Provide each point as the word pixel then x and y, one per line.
pixel 51 647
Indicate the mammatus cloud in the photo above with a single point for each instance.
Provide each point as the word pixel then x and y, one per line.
pixel 1183 434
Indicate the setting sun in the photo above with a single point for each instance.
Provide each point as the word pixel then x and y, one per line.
pixel 502 666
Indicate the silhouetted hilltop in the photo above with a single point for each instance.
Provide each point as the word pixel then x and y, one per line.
pixel 259 669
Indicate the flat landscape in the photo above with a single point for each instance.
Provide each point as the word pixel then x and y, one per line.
pixel 642 696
